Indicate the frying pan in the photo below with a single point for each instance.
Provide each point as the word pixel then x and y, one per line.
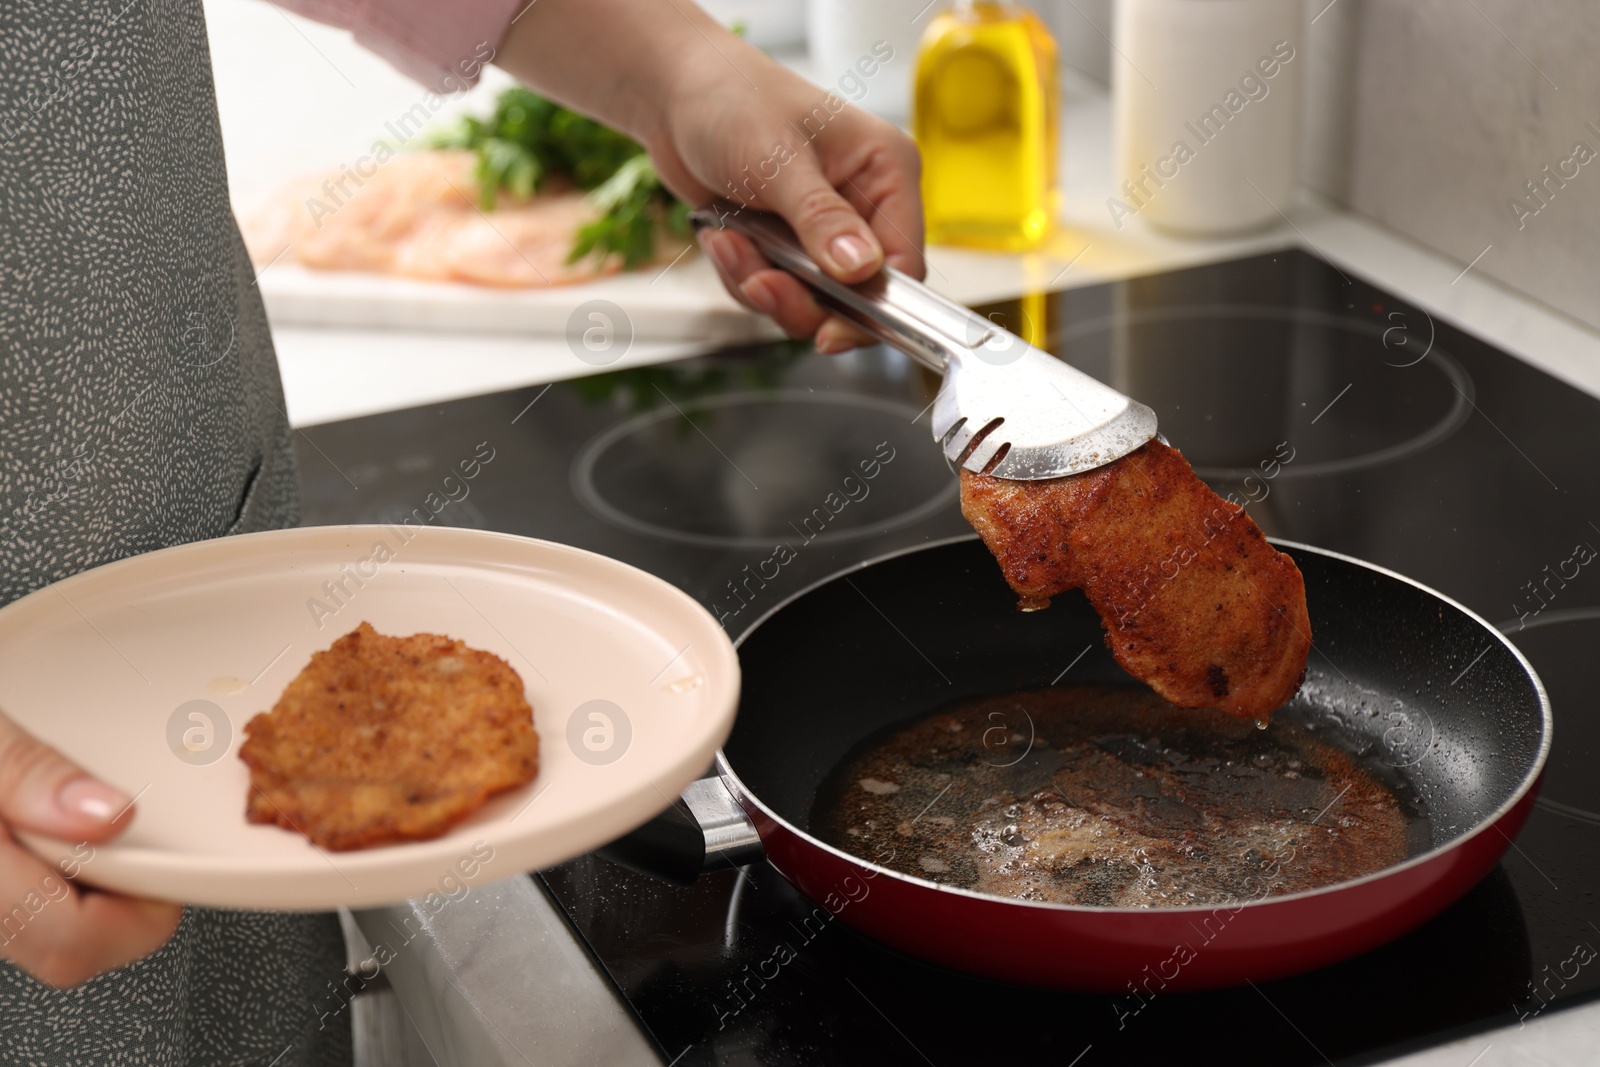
pixel 1398 671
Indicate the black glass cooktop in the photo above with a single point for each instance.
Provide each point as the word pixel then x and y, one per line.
pixel 1347 418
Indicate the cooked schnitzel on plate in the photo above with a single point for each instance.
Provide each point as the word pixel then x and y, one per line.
pixel 387 739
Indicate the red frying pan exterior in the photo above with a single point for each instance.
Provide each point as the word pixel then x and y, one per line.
pixel 1133 950
pixel 1488 744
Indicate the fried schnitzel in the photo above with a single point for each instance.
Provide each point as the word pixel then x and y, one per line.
pixel 1194 600
pixel 386 739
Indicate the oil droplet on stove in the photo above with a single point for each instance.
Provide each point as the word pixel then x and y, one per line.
pixel 1261 724
pixel 686 683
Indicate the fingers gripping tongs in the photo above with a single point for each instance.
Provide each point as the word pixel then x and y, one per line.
pixel 1006 408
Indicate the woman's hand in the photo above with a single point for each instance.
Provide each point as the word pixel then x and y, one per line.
pixel 846 182
pixel 720 118
pixel 60 934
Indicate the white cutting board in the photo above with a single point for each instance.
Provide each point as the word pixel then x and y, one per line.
pixel 683 302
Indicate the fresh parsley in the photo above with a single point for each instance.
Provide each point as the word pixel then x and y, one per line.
pixel 528 140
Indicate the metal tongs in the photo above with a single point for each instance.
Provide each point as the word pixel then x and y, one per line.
pixel 1006 408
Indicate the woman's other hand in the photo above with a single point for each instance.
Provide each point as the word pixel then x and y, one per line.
pixel 61 934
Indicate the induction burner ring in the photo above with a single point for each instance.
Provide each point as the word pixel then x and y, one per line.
pixel 1456 377
pixel 1559 679
pixel 900 426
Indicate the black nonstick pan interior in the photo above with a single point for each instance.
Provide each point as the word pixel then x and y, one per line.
pixel 1415 683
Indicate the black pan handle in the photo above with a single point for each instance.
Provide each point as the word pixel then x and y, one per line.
pixel 704 830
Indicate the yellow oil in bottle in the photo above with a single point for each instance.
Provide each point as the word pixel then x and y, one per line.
pixel 985 113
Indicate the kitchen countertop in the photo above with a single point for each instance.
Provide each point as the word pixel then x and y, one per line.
pixel 339 374
pixel 339 98
pixel 275 126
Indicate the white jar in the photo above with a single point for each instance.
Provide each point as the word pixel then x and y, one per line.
pixel 1206 112
pixel 848 37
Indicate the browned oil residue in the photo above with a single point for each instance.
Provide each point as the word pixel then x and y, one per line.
pixel 1111 796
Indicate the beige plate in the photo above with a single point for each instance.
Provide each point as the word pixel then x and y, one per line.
pixel 145 671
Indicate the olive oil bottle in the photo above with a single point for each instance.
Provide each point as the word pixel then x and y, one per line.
pixel 986 113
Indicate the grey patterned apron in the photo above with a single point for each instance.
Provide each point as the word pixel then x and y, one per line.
pixel 140 407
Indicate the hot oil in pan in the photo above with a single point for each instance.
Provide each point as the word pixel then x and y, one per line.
pixel 1111 796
